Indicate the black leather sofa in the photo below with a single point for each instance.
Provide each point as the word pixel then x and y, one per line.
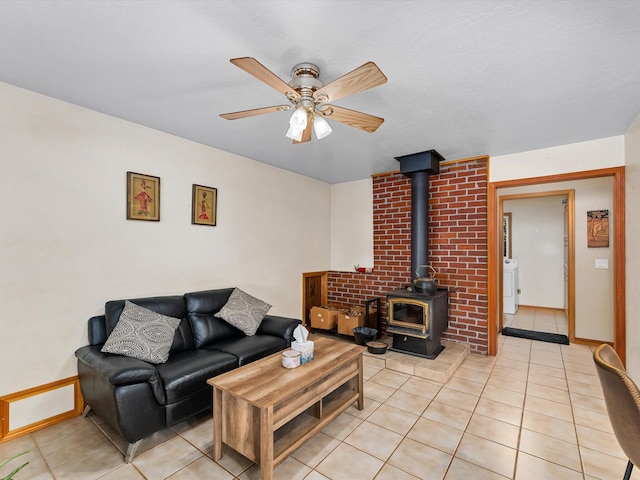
pixel 136 398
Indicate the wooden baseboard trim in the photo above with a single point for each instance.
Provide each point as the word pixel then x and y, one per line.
pixel 588 341
pixel 553 309
pixel 5 408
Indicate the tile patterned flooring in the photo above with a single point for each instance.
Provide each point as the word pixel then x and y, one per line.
pixel 539 319
pixel 535 411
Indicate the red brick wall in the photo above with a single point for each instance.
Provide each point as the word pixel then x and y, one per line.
pixel 457 247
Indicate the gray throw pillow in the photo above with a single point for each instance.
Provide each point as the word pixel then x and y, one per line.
pixel 143 334
pixel 243 311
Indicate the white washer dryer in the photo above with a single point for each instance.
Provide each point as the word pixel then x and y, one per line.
pixel 510 286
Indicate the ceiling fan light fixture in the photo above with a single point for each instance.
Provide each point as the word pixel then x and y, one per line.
pixel 294 134
pixel 298 120
pixel 321 127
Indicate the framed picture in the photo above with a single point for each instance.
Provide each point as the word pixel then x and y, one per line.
pixel 143 197
pixel 597 228
pixel 204 205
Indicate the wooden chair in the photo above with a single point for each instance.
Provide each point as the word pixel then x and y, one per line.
pixel 622 398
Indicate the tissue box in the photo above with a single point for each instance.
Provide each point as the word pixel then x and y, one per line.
pixel 305 349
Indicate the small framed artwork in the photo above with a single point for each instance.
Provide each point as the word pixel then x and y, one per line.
pixel 143 197
pixel 597 228
pixel 204 205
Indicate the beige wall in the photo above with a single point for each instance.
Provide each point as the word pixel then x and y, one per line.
pixel 575 157
pixel 352 225
pixel 66 246
pixel 632 226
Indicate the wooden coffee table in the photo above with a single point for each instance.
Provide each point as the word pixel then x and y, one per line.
pixel 265 411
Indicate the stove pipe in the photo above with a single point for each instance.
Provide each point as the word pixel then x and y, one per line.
pixel 418 166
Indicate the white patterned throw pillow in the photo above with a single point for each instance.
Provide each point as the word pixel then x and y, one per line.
pixel 143 334
pixel 243 311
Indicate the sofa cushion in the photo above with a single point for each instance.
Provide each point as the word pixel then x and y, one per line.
pixel 207 301
pixel 169 305
pixel 201 307
pixel 244 311
pixel 143 334
pixel 97 330
pixel 187 372
pixel 207 329
pixel 249 349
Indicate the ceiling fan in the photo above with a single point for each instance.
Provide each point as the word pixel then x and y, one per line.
pixel 309 98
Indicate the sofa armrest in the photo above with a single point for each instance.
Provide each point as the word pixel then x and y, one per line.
pixel 120 370
pixel 116 369
pixel 278 327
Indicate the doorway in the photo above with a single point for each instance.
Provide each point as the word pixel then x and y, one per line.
pixel 616 174
pixel 538 238
pixel 315 292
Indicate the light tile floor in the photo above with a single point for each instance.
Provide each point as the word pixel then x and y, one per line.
pixel 538 319
pixel 533 412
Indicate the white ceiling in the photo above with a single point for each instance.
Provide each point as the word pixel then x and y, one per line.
pixel 465 78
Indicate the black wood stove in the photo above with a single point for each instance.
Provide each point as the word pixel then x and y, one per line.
pixel 417 320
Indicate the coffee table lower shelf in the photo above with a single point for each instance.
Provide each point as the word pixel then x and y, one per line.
pixel 294 433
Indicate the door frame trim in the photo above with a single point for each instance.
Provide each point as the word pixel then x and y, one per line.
pixel 494 257
pixel 324 291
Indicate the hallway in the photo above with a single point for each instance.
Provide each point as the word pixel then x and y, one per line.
pixel 538 319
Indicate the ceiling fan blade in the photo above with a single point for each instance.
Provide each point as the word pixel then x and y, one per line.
pixel 255 111
pixel 363 121
pixel 362 78
pixel 306 133
pixel 262 73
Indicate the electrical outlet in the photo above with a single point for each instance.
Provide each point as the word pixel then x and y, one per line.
pixel 519 291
